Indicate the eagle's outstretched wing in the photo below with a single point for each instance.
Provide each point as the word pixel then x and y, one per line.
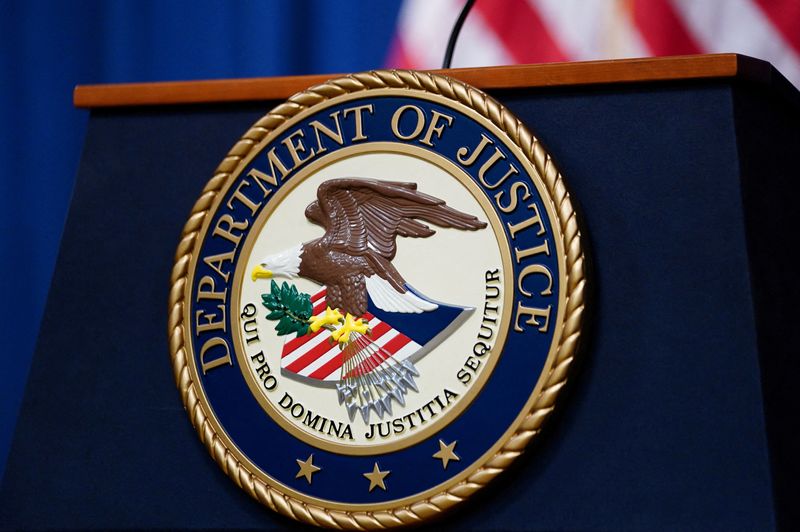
pixel 364 217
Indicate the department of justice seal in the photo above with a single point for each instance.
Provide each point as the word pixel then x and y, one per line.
pixel 376 300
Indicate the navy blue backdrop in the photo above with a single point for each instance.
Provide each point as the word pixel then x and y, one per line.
pixel 47 47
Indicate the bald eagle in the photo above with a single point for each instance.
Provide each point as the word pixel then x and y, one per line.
pixel 362 219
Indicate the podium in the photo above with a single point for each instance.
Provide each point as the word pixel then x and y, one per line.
pixel 681 415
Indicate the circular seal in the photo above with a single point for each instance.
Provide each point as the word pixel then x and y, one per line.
pixel 376 300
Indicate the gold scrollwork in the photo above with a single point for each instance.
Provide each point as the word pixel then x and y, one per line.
pixel 541 405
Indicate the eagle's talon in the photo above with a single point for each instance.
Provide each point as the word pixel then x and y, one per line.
pixel 329 318
pixel 351 325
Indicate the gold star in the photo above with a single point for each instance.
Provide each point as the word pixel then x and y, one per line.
pixel 376 478
pixel 307 468
pixel 446 453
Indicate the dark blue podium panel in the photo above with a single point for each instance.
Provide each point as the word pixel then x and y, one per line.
pixel 680 416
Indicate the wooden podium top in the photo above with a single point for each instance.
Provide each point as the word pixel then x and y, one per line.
pixel 690 67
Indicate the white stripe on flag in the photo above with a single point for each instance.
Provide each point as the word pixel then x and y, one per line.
pixel 319 362
pixel 594 29
pixel 478 45
pixel 407 350
pixel 328 355
pixel 303 349
pixel 383 340
pixel 401 354
pixel 321 337
pixel 591 29
pixel 412 346
pixel 739 26
pixel 424 28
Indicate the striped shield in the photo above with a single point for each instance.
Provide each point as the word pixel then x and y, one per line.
pixel 394 337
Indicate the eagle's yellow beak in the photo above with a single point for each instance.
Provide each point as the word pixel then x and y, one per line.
pixel 259 272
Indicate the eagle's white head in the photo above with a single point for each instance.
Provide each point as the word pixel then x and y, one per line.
pixel 283 264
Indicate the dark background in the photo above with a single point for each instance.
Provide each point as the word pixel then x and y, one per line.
pixel 662 192
pixel 48 47
pixel 681 414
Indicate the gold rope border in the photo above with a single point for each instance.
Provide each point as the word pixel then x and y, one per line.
pixel 565 352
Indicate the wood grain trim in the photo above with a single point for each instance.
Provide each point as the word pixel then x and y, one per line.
pixel 691 67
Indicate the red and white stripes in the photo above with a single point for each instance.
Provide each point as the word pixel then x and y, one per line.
pixel 539 31
pixel 315 357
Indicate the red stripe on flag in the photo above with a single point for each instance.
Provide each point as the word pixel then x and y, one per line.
pixel 299 341
pixel 784 15
pixel 398 57
pixel 295 343
pixel 325 346
pixel 662 28
pixel 319 307
pixel 380 356
pixel 316 297
pixel 518 26
pixel 328 368
pixel 313 354
pixel 324 371
pixel 379 330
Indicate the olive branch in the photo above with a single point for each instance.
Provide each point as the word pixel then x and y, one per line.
pixel 289 307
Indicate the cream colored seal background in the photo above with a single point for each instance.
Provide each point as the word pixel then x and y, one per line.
pixel 539 405
pixel 427 264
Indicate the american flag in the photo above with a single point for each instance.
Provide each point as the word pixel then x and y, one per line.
pixel 501 32
pixel 314 356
